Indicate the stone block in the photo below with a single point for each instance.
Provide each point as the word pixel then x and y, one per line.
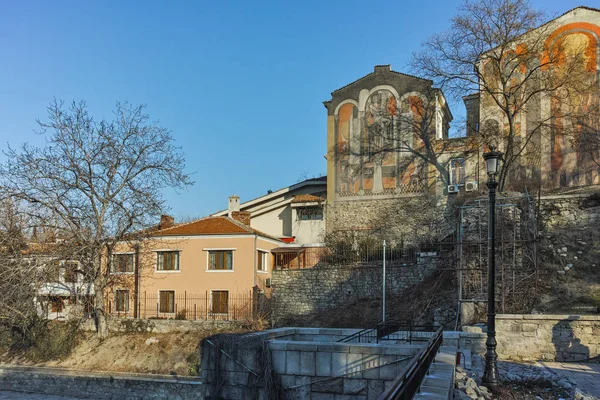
pixel 354 362
pixel 387 372
pixel 288 381
pixel 308 363
pixel 292 363
pixel 322 396
pixel 349 397
pixel 329 386
pixel 338 363
pixel 355 386
pixel 278 358
pixel 323 364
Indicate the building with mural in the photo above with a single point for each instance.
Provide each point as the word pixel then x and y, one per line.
pixel 387 132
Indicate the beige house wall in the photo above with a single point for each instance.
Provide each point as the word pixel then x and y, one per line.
pixel 193 277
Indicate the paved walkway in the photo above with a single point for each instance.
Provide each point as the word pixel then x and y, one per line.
pixel 587 375
pixel 4 395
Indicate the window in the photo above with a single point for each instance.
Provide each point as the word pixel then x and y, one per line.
pixel 220 302
pixel 457 171
pixel 56 304
pixel 261 264
pixel 70 275
pixel 122 263
pixel 122 300
pixel 309 213
pixel 220 260
pixel 167 261
pixel 166 301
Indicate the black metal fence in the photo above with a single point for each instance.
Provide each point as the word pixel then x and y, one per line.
pixel 208 306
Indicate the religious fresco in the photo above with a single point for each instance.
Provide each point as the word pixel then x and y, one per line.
pixel 569 157
pixel 368 161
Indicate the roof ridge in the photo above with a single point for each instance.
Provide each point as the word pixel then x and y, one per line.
pixel 184 224
pixel 236 222
pixel 372 73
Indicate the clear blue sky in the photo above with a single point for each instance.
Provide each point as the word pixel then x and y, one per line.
pixel 240 84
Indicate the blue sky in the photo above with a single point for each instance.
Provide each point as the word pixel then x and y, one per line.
pixel 240 84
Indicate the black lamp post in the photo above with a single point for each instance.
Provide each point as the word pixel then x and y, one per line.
pixel 490 374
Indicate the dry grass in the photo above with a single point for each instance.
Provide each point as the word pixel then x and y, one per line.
pixel 174 353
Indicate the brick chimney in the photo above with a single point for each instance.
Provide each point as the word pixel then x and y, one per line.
pixel 166 221
pixel 241 216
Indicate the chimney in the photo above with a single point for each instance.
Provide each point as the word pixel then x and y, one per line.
pixel 234 205
pixel 241 216
pixel 381 69
pixel 166 221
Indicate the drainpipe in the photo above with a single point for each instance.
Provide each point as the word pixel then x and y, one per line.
pixel 136 280
pixel 255 257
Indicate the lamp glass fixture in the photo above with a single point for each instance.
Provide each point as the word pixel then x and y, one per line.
pixel 491 161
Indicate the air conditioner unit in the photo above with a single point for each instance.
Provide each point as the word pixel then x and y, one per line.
pixel 470 186
pixel 268 282
pixel 452 188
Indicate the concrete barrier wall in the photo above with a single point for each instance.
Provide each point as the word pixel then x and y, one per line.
pixel 91 385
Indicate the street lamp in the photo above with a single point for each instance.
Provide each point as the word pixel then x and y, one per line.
pixel 490 374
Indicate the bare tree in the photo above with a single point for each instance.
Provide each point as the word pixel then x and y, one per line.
pixel 499 49
pixel 95 183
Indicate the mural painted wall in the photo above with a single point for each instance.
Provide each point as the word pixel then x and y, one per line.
pixel 370 158
pixel 559 136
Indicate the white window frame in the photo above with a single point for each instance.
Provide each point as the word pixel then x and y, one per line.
pixel 126 311
pixel 208 250
pixel 168 271
pixel 259 268
pixel 451 171
pixel 132 263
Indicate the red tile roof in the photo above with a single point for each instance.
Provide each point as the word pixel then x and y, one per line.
pixel 211 226
pixel 307 198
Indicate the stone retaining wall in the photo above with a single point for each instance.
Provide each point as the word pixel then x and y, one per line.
pixel 130 325
pixel 89 385
pixel 565 210
pixel 303 292
pixel 531 337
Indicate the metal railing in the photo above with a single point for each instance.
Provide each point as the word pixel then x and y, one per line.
pixel 392 331
pixel 407 384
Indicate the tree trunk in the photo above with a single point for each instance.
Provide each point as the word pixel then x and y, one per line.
pixel 100 317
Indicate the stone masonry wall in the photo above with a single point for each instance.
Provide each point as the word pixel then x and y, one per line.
pixel 537 337
pixel 304 292
pixel 130 325
pixel 88 385
pixel 565 210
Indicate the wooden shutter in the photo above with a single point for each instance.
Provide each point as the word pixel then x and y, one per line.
pixel 220 301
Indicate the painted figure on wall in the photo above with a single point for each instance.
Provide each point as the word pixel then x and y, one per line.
pixel 348 149
pixel 379 132
pixel 572 123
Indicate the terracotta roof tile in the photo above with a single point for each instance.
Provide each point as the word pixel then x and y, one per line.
pixel 306 198
pixel 211 226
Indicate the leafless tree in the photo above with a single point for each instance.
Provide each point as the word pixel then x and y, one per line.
pixel 499 49
pixel 95 183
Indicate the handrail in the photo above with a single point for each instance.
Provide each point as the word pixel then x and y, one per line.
pixel 356 335
pixel 407 384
